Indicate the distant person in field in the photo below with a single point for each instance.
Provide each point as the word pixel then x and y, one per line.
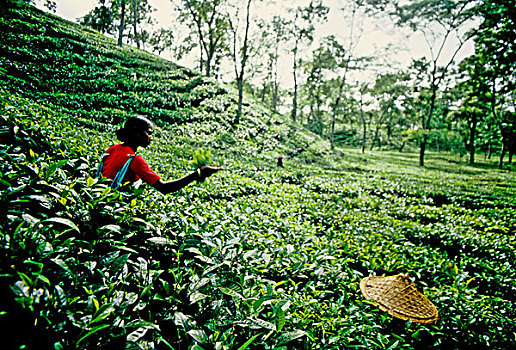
pixel 137 131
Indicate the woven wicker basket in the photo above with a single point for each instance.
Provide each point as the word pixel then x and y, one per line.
pixel 398 295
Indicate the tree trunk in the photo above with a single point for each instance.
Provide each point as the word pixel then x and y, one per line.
pixel 210 54
pixel 379 123
pixel 332 129
pixel 472 134
pixel 135 18
pixel 274 78
pixel 208 69
pixel 320 126
pixel 262 93
pixel 502 155
pixel 311 115
pixel 240 75
pixel 333 120
pixel 364 126
pixel 274 95
pixel 334 111
pixel 294 97
pixel 375 136
pixel 122 24
pixel 422 151
pixel 389 128
pixel 240 84
pixel 426 124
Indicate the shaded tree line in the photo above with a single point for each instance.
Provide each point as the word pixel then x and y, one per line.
pixel 121 18
pixel 436 102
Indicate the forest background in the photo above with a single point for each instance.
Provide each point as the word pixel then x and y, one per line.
pixel 363 73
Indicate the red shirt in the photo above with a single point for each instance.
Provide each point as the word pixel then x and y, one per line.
pixel 117 156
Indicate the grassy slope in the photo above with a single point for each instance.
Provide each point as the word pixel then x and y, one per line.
pixel 272 255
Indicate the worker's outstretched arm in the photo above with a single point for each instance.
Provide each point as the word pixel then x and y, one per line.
pixel 202 173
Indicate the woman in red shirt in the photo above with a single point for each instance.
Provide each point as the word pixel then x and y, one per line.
pixel 137 131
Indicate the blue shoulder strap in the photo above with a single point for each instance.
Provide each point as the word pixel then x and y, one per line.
pixel 120 174
pixel 101 165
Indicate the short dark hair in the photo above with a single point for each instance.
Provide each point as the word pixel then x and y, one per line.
pixel 132 125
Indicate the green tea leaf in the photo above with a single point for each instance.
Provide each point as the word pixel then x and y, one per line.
pixel 136 335
pixel 263 323
pixel 286 337
pixel 200 158
pixel 62 221
pixel 279 319
pixel 231 292
pixel 160 241
pixel 64 266
pixel 94 330
pixel 248 342
pixel 199 336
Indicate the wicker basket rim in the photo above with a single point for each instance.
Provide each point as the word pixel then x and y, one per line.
pixel 399 297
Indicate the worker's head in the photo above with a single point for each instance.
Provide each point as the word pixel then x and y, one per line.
pixel 137 131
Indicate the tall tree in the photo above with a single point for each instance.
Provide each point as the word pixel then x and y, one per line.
pixel 141 10
pixel 344 60
pixel 100 18
pixel 334 61
pixel 363 90
pixel 302 31
pixel 495 43
pixel 497 31
pixel 273 35
pixel 108 12
pixel 388 90
pixel 240 53
pixel 438 21
pixel 122 23
pixel 161 40
pixel 315 85
pixel 208 23
pixel 135 22
pixel 475 93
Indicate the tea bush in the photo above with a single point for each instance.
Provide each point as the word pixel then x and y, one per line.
pixel 257 257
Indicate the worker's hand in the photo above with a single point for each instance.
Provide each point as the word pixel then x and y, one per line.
pixel 208 170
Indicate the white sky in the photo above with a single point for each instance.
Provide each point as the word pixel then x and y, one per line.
pixel 376 35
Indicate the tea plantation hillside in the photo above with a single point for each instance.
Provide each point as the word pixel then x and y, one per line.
pixel 257 257
pixel 85 75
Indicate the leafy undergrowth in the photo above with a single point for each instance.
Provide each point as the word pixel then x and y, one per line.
pixel 257 257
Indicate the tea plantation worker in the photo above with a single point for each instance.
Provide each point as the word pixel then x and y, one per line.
pixel 137 131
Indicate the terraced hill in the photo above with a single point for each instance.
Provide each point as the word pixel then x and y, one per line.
pixel 86 76
pixel 258 257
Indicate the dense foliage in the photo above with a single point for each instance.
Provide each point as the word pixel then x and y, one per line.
pixel 258 256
